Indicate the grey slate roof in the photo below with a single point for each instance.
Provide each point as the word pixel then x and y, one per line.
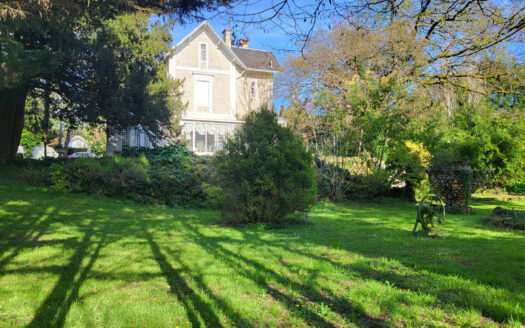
pixel 257 59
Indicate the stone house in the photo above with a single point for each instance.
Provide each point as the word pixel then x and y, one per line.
pixel 221 85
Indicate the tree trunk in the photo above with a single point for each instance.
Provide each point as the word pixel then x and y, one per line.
pixel 111 140
pixel 45 123
pixel 68 138
pixel 60 135
pixel 12 108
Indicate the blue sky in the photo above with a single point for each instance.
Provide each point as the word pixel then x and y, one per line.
pixel 274 41
pixel 271 35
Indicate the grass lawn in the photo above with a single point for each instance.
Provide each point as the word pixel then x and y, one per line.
pixel 78 261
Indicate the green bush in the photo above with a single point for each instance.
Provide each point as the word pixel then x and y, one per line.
pixel 489 139
pixel 36 172
pixel 516 187
pixel 29 140
pixel 166 175
pixel 332 180
pixel 335 183
pixel 177 155
pixel 367 186
pixel 112 176
pixel 176 174
pixel 509 218
pixel 263 173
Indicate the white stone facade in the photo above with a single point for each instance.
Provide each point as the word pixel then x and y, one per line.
pixel 218 87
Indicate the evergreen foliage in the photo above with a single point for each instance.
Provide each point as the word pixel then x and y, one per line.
pixel 166 175
pixel 263 173
pixel 101 62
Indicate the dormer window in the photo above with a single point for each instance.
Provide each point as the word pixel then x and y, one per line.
pixel 203 55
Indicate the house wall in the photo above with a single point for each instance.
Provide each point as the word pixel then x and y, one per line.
pixel 185 65
pixel 230 95
pixel 245 101
pixel 189 54
pixel 188 88
pixel 221 94
pixel 230 91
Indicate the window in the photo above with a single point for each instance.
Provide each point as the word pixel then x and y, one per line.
pixel 125 137
pixel 202 94
pixel 222 135
pixel 203 55
pixel 207 137
pixel 147 142
pixel 200 137
pixel 187 133
pixel 203 52
pixel 253 89
pixel 136 139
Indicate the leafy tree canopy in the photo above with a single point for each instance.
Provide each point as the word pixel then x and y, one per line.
pixel 68 48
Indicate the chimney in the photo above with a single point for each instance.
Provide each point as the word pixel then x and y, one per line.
pixel 244 43
pixel 227 33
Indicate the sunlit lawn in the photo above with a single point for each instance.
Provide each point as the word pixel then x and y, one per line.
pixel 80 261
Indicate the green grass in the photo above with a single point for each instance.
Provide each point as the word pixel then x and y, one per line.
pixel 80 261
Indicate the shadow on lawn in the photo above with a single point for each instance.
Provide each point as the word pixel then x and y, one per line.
pixel 53 311
pixel 258 273
pixel 455 284
pixel 195 306
pixel 24 232
pixel 203 306
pixel 21 234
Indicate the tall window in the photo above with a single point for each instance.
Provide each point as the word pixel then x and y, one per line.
pixel 125 137
pixel 200 137
pixel 253 89
pixel 187 132
pixel 136 138
pixel 203 55
pixel 203 96
pixel 202 93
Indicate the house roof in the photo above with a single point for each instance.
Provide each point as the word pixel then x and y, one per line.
pixel 252 59
pixel 260 60
pixel 54 142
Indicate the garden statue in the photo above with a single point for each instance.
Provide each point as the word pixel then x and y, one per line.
pixel 431 205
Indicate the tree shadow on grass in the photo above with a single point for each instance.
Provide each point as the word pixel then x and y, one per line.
pixel 22 234
pixel 259 273
pixel 448 288
pixel 195 306
pixel 53 310
pixel 237 319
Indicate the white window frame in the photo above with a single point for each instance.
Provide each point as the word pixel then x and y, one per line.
pixel 209 79
pixel 126 137
pixel 216 140
pixel 136 137
pixel 192 148
pixel 199 55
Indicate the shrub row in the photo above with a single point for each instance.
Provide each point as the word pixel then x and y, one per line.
pixel 516 187
pixel 335 183
pixel 508 218
pixel 169 175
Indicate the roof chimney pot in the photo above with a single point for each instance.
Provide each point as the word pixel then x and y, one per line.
pixel 227 33
pixel 244 43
